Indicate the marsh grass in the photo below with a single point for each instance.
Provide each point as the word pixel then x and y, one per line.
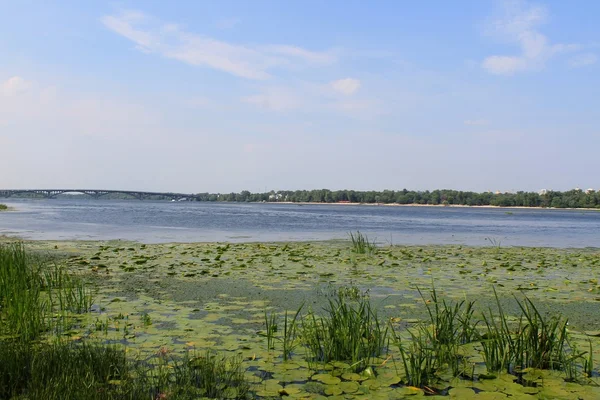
pixel 38 300
pixel 60 370
pixel 290 326
pixel 361 244
pixel 532 341
pixel 349 332
pixel 451 323
pixel 84 371
pixel 270 329
pixel 23 310
pixel 3 207
pixel 435 347
pixel 207 375
pixel 418 358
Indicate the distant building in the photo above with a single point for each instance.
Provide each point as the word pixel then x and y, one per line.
pixel 275 197
pixel 543 192
pixel 589 191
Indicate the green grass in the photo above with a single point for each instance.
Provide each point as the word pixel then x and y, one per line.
pixel 36 296
pixel 361 243
pixel 435 347
pixel 83 371
pixel 270 329
pixel 290 327
pixel 24 311
pixel 418 358
pixel 532 341
pixel 349 332
pixel 38 300
pixel 3 207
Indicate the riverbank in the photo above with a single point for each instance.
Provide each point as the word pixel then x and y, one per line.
pixel 434 205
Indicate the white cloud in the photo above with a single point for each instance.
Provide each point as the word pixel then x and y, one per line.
pixel 171 41
pixel 346 86
pixel 274 99
pixel 476 122
pixel 313 57
pixel 48 109
pixel 14 86
pixel 583 60
pixel 519 25
pixel 228 23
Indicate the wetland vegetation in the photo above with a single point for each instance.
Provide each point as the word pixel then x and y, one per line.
pixel 339 320
pixel 3 207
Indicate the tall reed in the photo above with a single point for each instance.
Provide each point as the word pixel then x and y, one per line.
pixel 361 243
pixel 349 331
pixel 22 308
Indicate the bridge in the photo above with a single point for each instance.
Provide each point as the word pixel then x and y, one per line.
pixel 95 193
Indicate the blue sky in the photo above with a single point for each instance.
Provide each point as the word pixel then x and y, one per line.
pixel 223 96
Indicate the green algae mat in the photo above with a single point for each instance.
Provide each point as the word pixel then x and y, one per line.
pixel 178 298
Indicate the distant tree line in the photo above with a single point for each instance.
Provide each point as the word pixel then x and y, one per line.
pixel 570 199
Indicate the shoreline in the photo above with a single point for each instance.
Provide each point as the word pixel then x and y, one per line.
pixel 427 205
pixel 304 203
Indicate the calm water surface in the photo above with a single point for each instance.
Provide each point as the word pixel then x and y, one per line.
pixel 156 222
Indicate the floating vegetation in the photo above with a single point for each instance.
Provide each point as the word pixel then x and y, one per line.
pixel 356 327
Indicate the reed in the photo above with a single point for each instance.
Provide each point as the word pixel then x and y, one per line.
pixel 84 371
pixel 23 310
pixel 290 326
pixel 418 358
pixel 534 341
pixel 270 329
pixel 361 243
pixel 350 331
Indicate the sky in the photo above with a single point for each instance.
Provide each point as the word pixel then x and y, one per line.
pixel 221 96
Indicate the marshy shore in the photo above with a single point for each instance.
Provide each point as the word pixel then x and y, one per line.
pixel 194 297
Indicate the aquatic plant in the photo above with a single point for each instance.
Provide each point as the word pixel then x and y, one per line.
pixel 22 309
pixel 361 243
pixel 418 358
pixel 207 375
pixel 535 341
pixel 435 346
pixel 3 207
pixel 350 331
pixel 289 339
pixel 60 370
pixel 146 320
pixel 80 371
pixel 270 329
pixel 450 323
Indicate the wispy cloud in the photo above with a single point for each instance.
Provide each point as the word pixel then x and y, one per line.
pixel 228 23
pixel 476 122
pixel 245 61
pixel 14 86
pixel 583 60
pixel 520 25
pixel 346 86
pixel 274 99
